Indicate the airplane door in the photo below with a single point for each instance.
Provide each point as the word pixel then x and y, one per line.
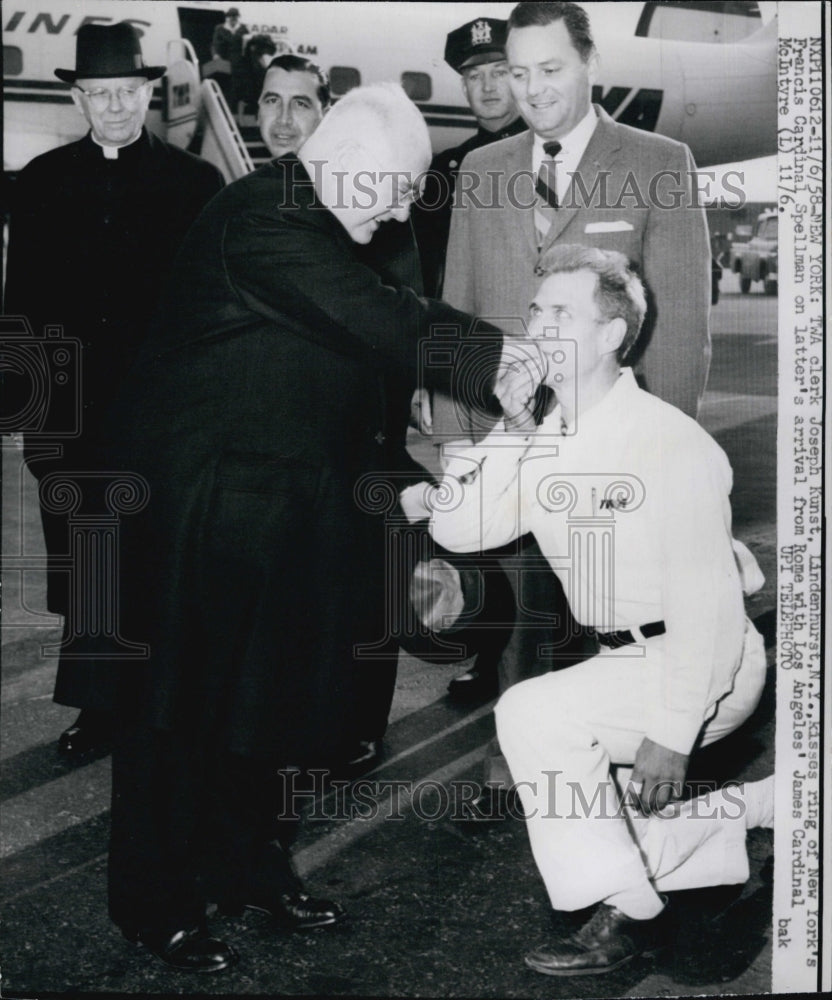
pixel 181 100
pixel 198 27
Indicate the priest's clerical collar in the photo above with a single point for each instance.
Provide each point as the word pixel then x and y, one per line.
pixel 111 152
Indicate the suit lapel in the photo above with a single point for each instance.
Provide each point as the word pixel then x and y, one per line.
pixel 598 155
pixel 520 162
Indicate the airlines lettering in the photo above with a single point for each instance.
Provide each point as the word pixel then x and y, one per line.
pixel 46 22
pixel 262 29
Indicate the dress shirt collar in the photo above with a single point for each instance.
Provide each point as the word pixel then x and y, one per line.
pixel 608 408
pixel 573 145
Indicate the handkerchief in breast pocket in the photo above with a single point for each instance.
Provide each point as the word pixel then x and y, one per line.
pixel 619 226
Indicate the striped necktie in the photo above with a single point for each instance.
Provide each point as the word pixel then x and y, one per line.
pixel 546 185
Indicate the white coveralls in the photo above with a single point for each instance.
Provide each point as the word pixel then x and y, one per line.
pixel 630 506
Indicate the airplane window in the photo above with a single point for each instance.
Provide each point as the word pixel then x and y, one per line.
pixel 342 79
pixel 417 86
pixel 12 60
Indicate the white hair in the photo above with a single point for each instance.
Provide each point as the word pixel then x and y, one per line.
pixel 386 109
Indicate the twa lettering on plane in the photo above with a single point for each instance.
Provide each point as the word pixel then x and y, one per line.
pixel 684 70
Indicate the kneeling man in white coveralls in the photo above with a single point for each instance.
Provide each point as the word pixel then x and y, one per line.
pixel 628 499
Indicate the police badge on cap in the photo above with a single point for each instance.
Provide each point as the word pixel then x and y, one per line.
pixel 479 41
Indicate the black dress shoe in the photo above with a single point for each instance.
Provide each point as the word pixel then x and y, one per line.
pixel 294 910
pixel 91 731
pixel 606 941
pixel 473 685
pixel 188 950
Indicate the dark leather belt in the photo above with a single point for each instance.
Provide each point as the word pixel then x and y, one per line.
pixel 624 637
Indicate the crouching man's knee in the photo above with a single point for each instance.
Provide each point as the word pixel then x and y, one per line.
pixel 529 709
pixel 516 705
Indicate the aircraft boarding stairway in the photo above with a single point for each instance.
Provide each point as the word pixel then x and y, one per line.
pixel 251 137
pixel 196 116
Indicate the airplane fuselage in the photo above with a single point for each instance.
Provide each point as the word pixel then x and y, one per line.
pixel 720 99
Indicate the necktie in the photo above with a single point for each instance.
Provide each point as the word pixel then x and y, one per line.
pixel 546 184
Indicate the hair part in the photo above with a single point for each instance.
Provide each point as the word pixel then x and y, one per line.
pixel 298 64
pixel 540 13
pixel 619 292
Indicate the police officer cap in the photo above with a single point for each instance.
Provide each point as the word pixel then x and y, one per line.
pixel 479 41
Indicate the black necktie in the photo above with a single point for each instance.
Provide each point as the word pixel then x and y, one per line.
pixel 545 185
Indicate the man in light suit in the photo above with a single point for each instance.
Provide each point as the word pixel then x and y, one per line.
pixel 602 184
pixel 617 188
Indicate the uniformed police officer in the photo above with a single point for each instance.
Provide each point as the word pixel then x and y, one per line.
pixel 476 51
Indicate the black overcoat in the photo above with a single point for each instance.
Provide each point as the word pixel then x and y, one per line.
pixel 253 413
pixel 91 242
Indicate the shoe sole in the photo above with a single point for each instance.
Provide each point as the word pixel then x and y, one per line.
pixel 285 921
pixel 650 953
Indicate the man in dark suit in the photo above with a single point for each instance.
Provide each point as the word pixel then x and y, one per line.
pixel 256 416
pixel 227 40
pixel 227 55
pixel 95 225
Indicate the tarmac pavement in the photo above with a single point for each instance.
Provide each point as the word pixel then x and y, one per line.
pixel 437 907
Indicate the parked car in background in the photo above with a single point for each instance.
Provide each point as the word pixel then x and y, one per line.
pixel 756 260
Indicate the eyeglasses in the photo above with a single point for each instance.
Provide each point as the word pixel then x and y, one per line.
pixel 100 98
